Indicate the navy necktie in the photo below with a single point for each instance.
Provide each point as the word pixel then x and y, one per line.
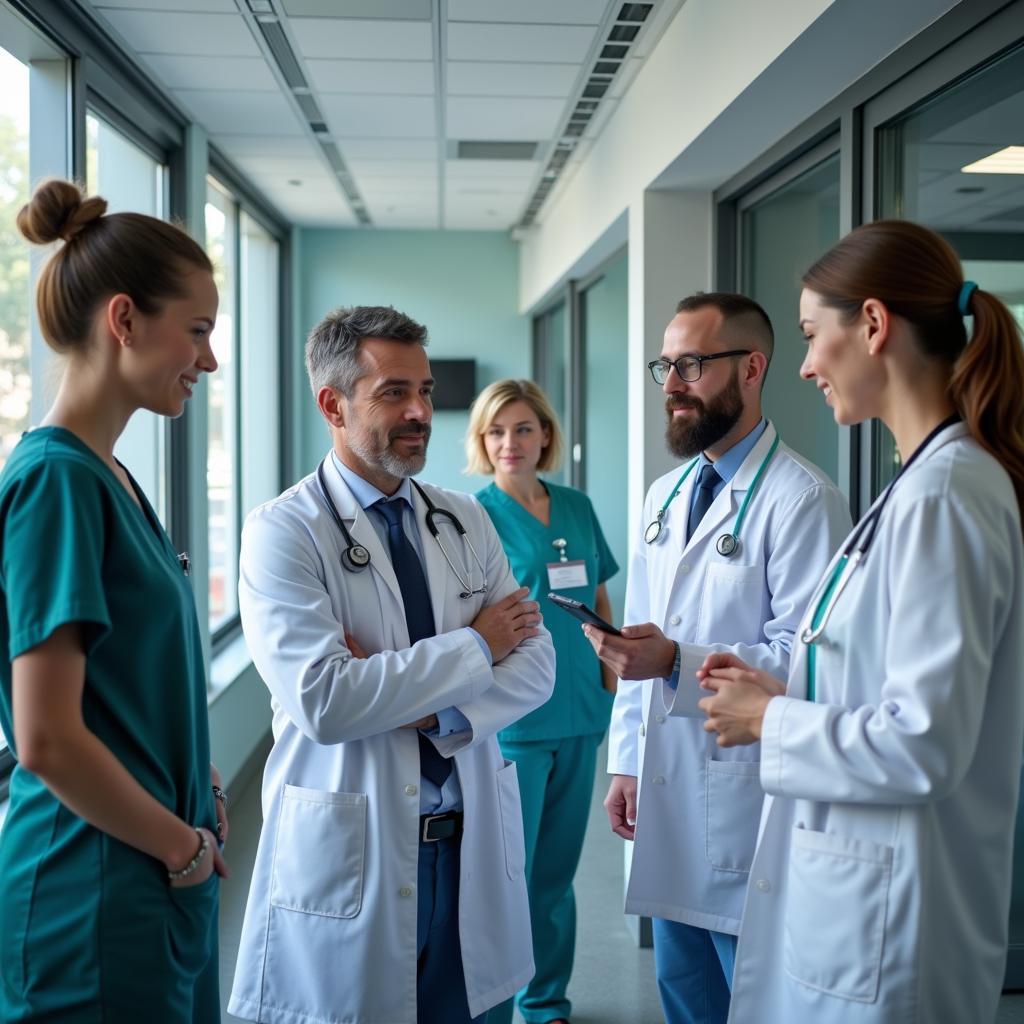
pixel 706 484
pixel 419 617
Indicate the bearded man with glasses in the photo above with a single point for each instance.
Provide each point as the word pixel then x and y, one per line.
pixel 731 546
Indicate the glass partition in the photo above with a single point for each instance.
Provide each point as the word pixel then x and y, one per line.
pixel 956 163
pixel 781 235
pixel 550 369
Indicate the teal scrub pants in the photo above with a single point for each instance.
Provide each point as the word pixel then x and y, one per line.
pixel 556 783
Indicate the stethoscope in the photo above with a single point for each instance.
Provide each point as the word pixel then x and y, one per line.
pixel 854 553
pixel 355 557
pixel 729 543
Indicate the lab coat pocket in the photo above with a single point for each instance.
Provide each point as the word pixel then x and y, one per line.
pixel 319 852
pixel 511 820
pixel 731 594
pixel 837 892
pixel 732 811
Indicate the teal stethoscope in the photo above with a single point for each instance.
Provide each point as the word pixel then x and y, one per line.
pixel 729 543
pixel 854 553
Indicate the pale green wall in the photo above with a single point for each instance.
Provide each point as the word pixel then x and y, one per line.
pixel 462 284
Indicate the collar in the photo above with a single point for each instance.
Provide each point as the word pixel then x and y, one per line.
pixel 364 492
pixel 728 465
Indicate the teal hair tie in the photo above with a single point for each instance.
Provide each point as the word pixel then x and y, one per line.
pixel 963 302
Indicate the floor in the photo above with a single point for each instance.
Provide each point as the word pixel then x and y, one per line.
pixel 614 980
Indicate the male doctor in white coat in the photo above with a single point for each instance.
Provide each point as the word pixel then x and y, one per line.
pixel 712 580
pixel 388 884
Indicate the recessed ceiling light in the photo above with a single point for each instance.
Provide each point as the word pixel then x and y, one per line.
pixel 1006 161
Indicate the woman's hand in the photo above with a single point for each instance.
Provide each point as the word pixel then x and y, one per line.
pixel 221 803
pixel 212 861
pixel 740 698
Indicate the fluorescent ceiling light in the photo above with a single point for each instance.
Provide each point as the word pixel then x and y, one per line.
pixel 1005 161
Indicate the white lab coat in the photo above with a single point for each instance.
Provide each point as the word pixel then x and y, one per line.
pixel 330 926
pixel 880 889
pixel 699 805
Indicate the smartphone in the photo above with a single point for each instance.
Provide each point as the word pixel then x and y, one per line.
pixel 578 610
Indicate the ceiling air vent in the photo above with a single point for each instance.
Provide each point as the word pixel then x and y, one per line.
pixel 496 150
pixel 621 36
pixel 283 54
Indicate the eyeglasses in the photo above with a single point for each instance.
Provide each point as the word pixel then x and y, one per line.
pixel 689 368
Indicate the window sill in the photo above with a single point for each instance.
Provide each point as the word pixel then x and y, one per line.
pixel 228 664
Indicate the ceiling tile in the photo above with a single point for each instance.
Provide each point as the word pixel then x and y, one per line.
pixel 564 12
pixel 241 113
pixel 514 120
pixel 386 77
pixel 395 168
pixel 481 188
pixel 479 78
pixel 286 167
pixel 275 146
pixel 196 6
pixel 515 170
pixel 408 10
pixel 339 38
pixel 215 35
pixel 407 215
pixel 402 117
pixel 182 72
pixel 554 44
pixel 388 149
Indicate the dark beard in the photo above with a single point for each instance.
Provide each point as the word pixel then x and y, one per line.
pixel 715 418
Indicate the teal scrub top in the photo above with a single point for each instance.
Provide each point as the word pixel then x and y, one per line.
pixel 579 705
pixel 79 910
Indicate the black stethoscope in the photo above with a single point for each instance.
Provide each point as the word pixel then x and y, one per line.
pixel 854 553
pixel 355 557
pixel 729 543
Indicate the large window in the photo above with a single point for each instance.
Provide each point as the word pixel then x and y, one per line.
pixel 956 163
pixel 785 225
pixel 222 414
pixel 15 286
pixel 132 179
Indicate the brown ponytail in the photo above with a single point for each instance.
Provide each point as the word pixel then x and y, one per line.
pixel 917 275
pixel 102 255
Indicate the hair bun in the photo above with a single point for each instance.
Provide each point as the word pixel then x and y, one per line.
pixel 58 209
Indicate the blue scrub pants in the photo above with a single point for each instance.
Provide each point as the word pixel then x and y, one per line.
pixel 556 783
pixel 440 983
pixel 694 969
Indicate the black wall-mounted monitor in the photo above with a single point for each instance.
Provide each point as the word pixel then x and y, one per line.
pixel 454 383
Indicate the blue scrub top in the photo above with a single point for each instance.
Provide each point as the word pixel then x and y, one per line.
pixel 579 705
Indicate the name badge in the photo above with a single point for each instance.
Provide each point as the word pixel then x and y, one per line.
pixel 567 575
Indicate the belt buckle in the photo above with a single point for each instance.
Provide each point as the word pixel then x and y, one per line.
pixel 426 828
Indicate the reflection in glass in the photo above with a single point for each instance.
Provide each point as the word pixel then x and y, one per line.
pixel 222 414
pixel 15 285
pixel 780 237
pixel 923 154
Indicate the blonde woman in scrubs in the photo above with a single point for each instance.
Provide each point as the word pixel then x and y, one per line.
pixel 108 856
pixel 880 889
pixel 554 542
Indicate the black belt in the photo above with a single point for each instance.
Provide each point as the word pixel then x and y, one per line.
pixel 440 826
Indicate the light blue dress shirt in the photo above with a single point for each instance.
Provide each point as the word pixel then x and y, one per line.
pixel 727 466
pixel 449 720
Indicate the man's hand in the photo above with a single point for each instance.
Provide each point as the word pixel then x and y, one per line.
pixel 354 648
pixel 740 697
pixel 620 803
pixel 642 652
pixel 505 624
pixel 428 722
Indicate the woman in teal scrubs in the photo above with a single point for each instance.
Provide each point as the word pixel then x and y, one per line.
pixel 554 543
pixel 108 855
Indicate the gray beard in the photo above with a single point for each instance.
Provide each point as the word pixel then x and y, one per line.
pixel 391 462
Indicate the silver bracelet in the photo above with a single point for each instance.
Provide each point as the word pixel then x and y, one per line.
pixel 219 794
pixel 193 864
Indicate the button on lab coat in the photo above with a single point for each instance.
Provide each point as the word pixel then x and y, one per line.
pixel 330 926
pixel 699 805
pixel 880 889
